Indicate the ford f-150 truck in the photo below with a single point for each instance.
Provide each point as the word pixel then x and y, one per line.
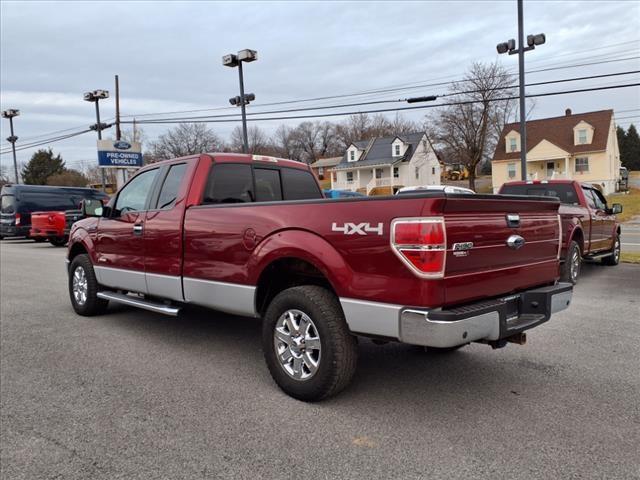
pixel 253 236
pixel 53 226
pixel 589 227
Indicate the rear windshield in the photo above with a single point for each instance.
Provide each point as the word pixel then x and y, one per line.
pixel 564 191
pixel 8 204
pixel 52 200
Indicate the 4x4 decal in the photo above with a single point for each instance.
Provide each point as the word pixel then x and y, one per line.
pixel 357 228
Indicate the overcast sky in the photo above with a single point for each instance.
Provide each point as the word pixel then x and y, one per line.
pixel 168 56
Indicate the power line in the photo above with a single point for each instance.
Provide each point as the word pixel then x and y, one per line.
pixel 400 109
pixel 302 109
pixel 377 91
pixel 46 141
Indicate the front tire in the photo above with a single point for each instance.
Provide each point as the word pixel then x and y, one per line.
pixel 570 269
pixel 307 345
pixel 614 258
pixel 83 288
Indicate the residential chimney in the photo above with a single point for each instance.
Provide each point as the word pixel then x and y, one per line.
pixel 567 112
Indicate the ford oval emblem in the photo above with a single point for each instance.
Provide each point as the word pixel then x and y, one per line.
pixel 515 242
pixel 122 145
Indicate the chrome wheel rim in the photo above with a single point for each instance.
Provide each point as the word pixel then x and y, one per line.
pixel 616 250
pixel 297 345
pixel 79 286
pixel 575 265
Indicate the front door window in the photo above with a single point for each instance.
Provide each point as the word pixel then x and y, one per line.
pixel 550 168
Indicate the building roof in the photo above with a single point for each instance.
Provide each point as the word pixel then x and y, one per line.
pixel 559 131
pixel 326 162
pixel 378 151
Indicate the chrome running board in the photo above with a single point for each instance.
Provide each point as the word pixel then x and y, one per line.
pixel 139 303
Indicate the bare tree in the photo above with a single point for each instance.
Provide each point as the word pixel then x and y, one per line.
pixel 258 140
pixel 364 127
pixel 285 145
pixel 185 139
pixel 315 139
pixel 468 131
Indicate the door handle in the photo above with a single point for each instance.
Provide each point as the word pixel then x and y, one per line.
pixel 137 229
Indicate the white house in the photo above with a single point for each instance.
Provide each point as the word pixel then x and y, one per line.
pixel 381 166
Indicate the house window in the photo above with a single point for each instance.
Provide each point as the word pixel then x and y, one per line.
pixel 582 136
pixel 352 156
pixel 349 177
pixel 433 170
pixel 396 173
pixel 378 172
pixel 396 150
pixel 513 144
pixel 321 172
pixel 335 176
pixel 582 164
pixel 511 170
pixel 417 173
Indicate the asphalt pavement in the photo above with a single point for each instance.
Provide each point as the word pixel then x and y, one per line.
pixel 136 395
pixel 630 238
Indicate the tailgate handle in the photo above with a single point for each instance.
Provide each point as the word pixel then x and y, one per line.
pixel 513 220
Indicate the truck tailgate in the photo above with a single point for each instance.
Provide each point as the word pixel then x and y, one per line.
pixel 498 245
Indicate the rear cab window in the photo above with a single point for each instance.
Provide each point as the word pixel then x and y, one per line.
pixel 564 191
pixel 244 183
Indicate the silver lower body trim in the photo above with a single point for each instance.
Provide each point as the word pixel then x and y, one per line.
pixel 121 279
pixel 165 286
pixel 372 318
pixel 226 297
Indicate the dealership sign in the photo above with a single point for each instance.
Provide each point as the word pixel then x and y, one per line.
pixel 119 154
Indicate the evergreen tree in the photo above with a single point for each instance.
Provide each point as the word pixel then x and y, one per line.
pixel 42 165
pixel 630 149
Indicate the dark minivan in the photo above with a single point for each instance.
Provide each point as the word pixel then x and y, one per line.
pixel 19 201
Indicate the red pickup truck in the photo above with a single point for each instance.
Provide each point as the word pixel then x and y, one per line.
pixel 589 227
pixel 53 226
pixel 253 236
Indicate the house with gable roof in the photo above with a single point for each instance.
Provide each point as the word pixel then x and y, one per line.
pixel 582 147
pixel 381 166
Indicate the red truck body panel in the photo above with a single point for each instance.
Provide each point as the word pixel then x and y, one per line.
pixel 47 225
pixel 592 228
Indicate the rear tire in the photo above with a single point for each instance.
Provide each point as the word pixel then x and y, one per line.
pixel 307 345
pixel 83 288
pixel 614 258
pixel 570 269
pixel 58 241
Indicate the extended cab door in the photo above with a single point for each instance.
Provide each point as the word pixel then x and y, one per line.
pixel 163 231
pixel 600 221
pixel 119 242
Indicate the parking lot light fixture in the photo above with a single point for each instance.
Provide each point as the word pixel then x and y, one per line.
pixel 10 113
pixel 236 60
pixel 509 47
pixel 95 97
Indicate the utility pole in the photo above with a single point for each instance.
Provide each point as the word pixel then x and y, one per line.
pixel 232 60
pixel 120 172
pixel 95 97
pixel 510 48
pixel 12 139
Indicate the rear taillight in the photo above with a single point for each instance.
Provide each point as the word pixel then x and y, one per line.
pixel 17 219
pixel 421 243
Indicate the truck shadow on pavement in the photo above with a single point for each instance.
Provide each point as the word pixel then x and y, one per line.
pixel 386 374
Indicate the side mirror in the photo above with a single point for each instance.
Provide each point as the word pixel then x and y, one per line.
pixel 616 208
pixel 92 208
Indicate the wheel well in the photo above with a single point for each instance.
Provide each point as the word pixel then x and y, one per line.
pixel 76 249
pixel 578 237
pixel 285 273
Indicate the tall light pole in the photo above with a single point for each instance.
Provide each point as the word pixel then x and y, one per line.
pixel 95 97
pixel 243 100
pixel 510 48
pixel 12 139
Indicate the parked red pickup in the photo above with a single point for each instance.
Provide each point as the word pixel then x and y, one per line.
pixel 53 226
pixel 253 236
pixel 590 230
